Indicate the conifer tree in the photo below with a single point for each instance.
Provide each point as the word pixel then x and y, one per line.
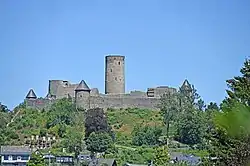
pixel 239 86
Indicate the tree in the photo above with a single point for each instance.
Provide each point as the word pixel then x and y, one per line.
pixel 239 87
pixel 96 121
pixel 36 160
pixel 74 141
pixel 230 136
pixel 191 127
pixel 161 156
pixel 146 135
pixel 230 140
pixel 212 106
pixel 169 107
pixel 201 105
pixel 98 142
pixel 61 112
pixel 61 130
pixel 3 108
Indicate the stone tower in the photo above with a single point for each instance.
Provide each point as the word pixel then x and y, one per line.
pixel 82 94
pixel 114 74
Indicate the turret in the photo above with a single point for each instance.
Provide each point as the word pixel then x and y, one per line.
pixel 82 93
pixel 31 95
pixel 186 88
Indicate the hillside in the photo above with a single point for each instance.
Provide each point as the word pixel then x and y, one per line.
pixel 67 124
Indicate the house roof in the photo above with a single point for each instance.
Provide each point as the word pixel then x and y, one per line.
pixel 102 161
pixel 190 159
pixel 15 150
pixel 127 164
pixel 31 94
pixel 82 86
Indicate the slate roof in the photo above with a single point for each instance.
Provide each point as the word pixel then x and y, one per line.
pixel 82 86
pixel 31 94
pixel 109 162
pixel 186 85
pixel 190 159
pixel 15 150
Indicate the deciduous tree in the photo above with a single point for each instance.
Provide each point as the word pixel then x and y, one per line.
pixel 96 121
pixel 98 142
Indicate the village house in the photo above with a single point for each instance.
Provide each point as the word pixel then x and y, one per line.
pixel 15 155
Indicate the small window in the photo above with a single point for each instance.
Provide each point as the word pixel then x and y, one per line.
pixel 19 158
pixel 110 70
pixel 10 158
pixel 116 78
pixel 119 63
pixel 80 95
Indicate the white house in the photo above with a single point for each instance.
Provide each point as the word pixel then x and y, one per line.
pixel 15 155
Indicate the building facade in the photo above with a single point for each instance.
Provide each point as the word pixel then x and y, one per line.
pixel 15 155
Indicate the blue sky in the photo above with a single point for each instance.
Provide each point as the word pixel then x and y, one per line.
pixel 164 41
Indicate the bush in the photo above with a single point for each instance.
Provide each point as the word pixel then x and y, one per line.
pixel 13 135
pixel 43 132
pixel 146 135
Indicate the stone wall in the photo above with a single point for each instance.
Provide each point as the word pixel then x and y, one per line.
pixel 61 88
pixel 119 102
pixel 39 103
pixel 134 99
pixel 65 91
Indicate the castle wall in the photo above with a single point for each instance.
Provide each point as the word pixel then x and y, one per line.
pixel 60 88
pixel 119 102
pixel 64 91
pixel 38 103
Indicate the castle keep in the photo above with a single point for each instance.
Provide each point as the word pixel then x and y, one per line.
pixel 114 96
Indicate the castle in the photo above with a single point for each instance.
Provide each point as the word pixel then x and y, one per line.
pixel 114 97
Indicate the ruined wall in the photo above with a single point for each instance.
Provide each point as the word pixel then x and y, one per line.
pixel 39 103
pixel 60 88
pixel 64 91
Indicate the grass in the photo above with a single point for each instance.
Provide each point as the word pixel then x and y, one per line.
pixel 124 120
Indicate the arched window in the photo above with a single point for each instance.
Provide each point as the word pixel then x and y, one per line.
pixel 119 63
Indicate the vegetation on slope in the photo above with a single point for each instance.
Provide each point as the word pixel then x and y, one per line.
pixel 139 134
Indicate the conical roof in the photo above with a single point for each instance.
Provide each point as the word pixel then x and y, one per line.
pixel 186 85
pixel 31 94
pixel 82 86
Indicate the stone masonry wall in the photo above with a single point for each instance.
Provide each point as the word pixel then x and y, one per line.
pixel 38 103
pixel 114 75
pixel 120 102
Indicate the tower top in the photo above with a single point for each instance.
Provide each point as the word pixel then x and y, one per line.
pixel 115 56
pixel 82 86
pixel 186 86
pixel 31 94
